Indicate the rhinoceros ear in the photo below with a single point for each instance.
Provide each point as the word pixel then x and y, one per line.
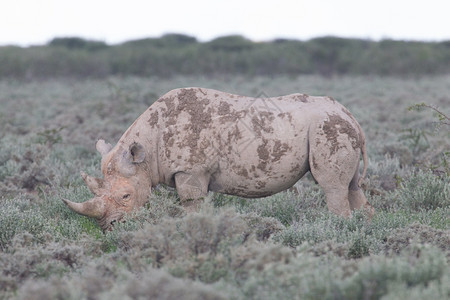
pixel 131 158
pixel 137 153
pixel 103 147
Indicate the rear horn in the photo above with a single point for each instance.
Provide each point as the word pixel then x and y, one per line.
pixel 94 184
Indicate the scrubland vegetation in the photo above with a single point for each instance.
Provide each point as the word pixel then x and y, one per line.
pixel 287 246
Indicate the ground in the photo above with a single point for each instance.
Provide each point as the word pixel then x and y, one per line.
pixel 286 246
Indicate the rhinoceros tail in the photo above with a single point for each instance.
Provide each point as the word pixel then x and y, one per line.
pixel 365 159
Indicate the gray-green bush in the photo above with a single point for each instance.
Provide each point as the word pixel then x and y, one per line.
pixel 424 190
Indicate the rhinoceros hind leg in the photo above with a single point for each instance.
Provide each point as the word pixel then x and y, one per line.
pixel 336 192
pixel 334 174
pixel 192 189
pixel 337 200
pixel 357 198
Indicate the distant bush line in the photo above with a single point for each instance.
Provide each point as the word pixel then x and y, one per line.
pixel 177 54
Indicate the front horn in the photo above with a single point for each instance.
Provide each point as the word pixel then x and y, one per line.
pixel 94 208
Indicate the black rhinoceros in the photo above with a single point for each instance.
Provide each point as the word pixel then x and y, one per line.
pixel 199 140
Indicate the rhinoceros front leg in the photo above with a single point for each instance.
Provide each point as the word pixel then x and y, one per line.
pixel 192 189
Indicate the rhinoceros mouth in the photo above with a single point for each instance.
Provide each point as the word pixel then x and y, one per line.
pixel 108 221
pixel 96 209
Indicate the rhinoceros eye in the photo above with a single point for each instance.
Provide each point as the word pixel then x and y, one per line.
pixel 126 197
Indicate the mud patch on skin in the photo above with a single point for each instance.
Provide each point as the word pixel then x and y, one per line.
pixel 295 169
pixel 234 135
pixel 336 126
pixel 232 117
pixel 315 164
pixel 168 143
pixel 302 98
pixel 243 172
pixel 170 114
pixel 279 150
pixel 191 102
pixel 167 139
pixel 263 155
pixel 284 115
pixel 153 120
pixel 224 108
pixel 260 184
pixel 200 117
pixel 262 123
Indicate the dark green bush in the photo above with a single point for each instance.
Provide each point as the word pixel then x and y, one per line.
pixel 178 54
pixel 77 43
pixel 231 43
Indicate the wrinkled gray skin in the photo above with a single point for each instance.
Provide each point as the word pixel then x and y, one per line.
pixel 199 140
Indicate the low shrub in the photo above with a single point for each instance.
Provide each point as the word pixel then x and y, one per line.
pixel 150 284
pixel 24 260
pixel 309 277
pixel 384 176
pixel 416 233
pixel 288 207
pixel 191 247
pixel 24 169
pixel 424 191
pixel 323 228
pixel 19 216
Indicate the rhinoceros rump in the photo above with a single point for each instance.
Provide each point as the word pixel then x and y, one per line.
pixel 199 140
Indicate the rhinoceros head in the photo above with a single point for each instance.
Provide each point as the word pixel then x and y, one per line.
pixel 124 187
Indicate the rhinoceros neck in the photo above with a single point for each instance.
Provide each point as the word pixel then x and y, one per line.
pixel 139 132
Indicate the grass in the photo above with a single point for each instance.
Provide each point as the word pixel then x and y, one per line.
pixel 286 246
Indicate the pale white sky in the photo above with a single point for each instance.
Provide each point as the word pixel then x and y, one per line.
pixel 28 22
